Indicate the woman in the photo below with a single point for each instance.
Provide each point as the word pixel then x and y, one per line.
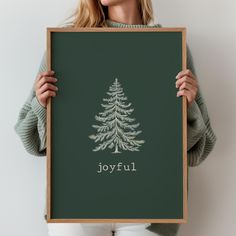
pixel 31 122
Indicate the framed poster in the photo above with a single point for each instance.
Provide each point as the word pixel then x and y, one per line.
pixel 116 132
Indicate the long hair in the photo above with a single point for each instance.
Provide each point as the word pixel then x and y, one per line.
pixel 91 13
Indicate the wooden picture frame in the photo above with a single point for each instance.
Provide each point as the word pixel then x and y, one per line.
pixel 55 44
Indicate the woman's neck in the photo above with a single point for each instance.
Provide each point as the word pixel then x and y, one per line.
pixel 126 12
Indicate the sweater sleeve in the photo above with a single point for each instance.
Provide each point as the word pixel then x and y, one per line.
pixel 31 121
pixel 200 135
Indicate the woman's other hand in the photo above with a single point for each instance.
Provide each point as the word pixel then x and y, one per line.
pixel 44 87
pixel 187 84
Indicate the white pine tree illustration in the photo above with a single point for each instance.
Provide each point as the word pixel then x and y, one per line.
pixel 117 130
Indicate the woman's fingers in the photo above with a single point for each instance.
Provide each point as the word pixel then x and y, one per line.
pixel 190 89
pixel 44 96
pixel 44 80
pixel 188 94
pixel 187 84
pixel 47 86
pixel 41 75
pixel 186 79
pixel 185 73
pixel 45 73
pixel 44 87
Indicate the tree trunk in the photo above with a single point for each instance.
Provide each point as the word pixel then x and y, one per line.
pixel 116 149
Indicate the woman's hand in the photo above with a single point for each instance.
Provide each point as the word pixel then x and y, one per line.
pixel 187 84
pixel 44 87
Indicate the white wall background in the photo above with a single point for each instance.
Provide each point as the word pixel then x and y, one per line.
pixel 212 38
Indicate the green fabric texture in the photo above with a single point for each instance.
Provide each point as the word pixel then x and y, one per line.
pixel 31 128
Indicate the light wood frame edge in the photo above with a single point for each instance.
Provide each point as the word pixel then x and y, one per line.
pixel 48 140
pixel 184 110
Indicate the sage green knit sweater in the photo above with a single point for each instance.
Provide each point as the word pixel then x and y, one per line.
pixel 31 128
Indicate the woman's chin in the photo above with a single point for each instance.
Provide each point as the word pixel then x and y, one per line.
pixel 109 2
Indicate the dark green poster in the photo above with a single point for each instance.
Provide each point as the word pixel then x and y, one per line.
pixel 116 130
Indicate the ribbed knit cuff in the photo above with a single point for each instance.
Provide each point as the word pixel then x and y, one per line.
pixel 193 112
pixel 38 109
pixel 196 125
